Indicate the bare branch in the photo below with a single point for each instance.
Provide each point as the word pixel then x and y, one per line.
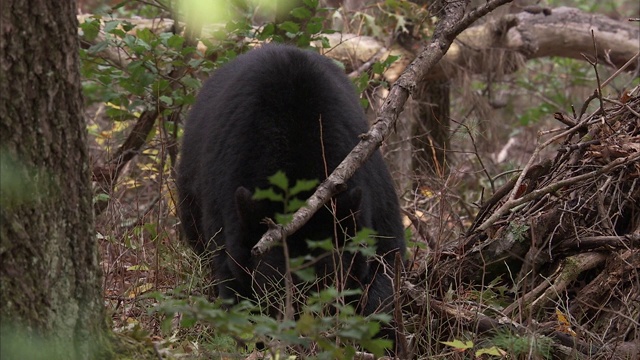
pixel 512 203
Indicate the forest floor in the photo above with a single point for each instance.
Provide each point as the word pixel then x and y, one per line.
pixel 547 263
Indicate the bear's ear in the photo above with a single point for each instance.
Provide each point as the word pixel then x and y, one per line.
pixel 245 205
pixel 349 203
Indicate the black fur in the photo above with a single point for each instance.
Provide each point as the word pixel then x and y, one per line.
pixel 281 108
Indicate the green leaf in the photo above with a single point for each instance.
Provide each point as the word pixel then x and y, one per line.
pixel 127 26
pixel 119 33
pixel 303 41
pixel 191 82
pixel 267 32
pixel 160 85
pixel 283 219
pixel 390 60
pixel 167 100
pixel 94 49
pixel 136 66
pixel 459 344
pixel 303 185
pixel 151 228
pixel 493 351
pixel 351 333
pixel 195 63
pixel 185 99
pixel 294 204
pixel 301 13
pixel 377 346
pixel 313 4
pixel 187 322
pixel 365 237
pixel 307 274
pixel 119 114
pixel 267 194
pixel 175 42
pixel 326 245
pixel 325 42
pixel 109 26
pixel 290 27
pixel 314 26
pixel 90 29
pixel 141 267
pixel 306 323
pixel 280 180
pixel 145 35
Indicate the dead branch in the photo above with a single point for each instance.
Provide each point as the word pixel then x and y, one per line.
pixel 537 194
pixel 565 32
pixel 477 321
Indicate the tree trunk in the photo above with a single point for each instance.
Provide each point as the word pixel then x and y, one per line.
pixel 50 275
pixel 430 138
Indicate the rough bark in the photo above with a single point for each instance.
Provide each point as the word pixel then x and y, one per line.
pixel 430 140
pixel 50 276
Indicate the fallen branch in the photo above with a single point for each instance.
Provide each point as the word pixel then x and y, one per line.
pixel 477 322
pixel 536 194
pixel 565 32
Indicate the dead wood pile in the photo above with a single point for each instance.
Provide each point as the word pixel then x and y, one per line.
pixel 564 238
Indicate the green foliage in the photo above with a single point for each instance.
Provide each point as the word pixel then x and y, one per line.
pixel 363 241
pixel 494 294
pixel 280 192
pixel 141 79
pixel 303 27
pixel 242 326
pixel 523 346
pixel 326 328
pixel 391 15
pixel 555 92
pixel 129 69
pixel 505 345
pixel 374 78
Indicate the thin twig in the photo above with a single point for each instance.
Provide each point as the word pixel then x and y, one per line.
pixel 619 71
pixel 478 157
pixel 368 64
pixel 537 151
pixel 511 203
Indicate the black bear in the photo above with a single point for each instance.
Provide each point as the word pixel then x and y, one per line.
pixel 281 108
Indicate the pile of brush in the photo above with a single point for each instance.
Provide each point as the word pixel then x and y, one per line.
pixel 555 252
